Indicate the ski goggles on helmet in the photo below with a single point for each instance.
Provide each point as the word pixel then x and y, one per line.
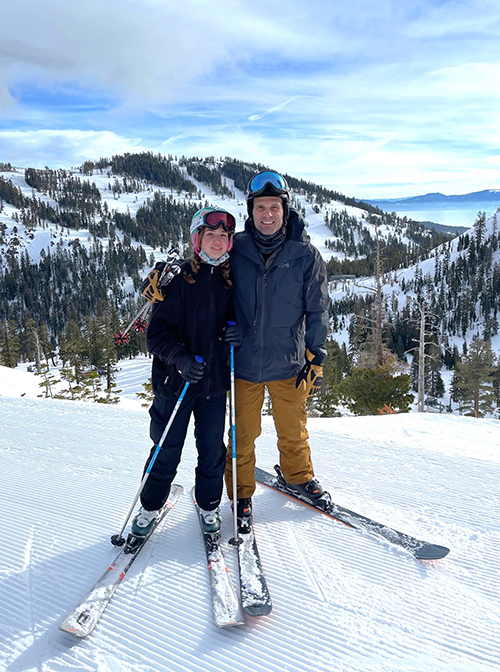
pixel 267 182
pixel 212 220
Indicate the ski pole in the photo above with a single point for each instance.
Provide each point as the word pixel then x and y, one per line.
pixel 235 541
pixel 166 276
pixel 143 312
pixel 118 539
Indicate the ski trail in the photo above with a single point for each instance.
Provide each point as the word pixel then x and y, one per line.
pixel 305 563
pixel 27 569
pixel 345 600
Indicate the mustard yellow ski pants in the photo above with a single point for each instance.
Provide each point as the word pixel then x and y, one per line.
pixel 289 413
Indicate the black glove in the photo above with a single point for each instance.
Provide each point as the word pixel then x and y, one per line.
pixel 189 368
pixel 233 336
pixel 311 373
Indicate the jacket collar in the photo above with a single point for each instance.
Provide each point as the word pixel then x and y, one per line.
pixel 204 271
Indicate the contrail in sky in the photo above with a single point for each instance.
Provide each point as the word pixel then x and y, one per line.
pixel 276 108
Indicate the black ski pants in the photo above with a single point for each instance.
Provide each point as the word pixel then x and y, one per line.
pixel 209 420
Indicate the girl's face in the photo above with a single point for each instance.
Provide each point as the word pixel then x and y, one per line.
pixel 214 242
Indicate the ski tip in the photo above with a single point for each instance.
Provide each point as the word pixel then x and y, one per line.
pixel 75 632
pixel 431 552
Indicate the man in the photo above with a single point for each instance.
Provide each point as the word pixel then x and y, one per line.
pixel 281 308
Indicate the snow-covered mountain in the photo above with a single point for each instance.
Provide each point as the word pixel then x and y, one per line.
pixel 77 243
pixel 459 284
pixel 343 601
pixel 142 205
pixel 491 196
pixel 99 192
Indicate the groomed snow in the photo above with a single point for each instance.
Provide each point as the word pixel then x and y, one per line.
pixel 343 601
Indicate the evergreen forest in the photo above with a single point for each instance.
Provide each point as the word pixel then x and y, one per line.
pixel 107 222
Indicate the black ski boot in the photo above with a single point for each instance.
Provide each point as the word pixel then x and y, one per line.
pixel 244 515
pixel 310 489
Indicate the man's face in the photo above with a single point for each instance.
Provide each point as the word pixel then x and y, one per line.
pixel 268 214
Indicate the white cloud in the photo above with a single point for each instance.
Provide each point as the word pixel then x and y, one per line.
pixel 347 93
pixel 370 168
pixel 467 80
pixel 380 167
pixel 61 148
pixel 146 52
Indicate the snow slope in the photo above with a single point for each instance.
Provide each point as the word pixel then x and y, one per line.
pixel 343 601
pixel 44 238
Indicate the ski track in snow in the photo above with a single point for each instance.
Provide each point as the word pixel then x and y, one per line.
pixel 343 600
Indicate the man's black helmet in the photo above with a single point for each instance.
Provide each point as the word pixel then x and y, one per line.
pixel 268 183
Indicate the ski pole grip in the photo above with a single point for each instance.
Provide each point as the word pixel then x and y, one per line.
pixel 231 323
pixel 199 358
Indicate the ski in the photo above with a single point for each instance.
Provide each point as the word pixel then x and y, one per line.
pixel 85 616
pixel 226 605
pixel 422 550
pixel 255 596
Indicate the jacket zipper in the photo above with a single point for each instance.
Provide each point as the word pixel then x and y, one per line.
pixel 209 363
pixel 263 312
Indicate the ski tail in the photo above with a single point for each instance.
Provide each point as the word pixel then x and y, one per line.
pixel 87 613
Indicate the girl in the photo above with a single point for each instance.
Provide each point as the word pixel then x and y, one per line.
pixel 192 320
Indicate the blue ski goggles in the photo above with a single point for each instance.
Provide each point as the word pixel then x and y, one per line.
pixel 267 181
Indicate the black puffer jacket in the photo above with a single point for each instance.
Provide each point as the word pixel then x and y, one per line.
pixel 281 306
pixel 191 319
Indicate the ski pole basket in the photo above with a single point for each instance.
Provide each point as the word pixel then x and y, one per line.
pixel 121 338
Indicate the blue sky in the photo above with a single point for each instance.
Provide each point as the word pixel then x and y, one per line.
pixel 375 99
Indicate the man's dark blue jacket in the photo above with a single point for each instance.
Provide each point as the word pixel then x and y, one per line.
pixel 281 306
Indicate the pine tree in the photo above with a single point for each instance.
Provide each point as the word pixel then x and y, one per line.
pixel 48 382
pixel 366 391
pixel 434 384
pixel 72 350
pixel 112 395
pixel 474 377
pixel 147 393
pixel 74 390
pixel 10 347
pixel 480 228
pixel 31 343
pixel 337 364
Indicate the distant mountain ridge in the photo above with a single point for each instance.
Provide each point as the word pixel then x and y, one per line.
pixel 484 196
pixel 443 228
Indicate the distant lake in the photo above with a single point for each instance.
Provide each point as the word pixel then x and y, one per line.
pixel 463 214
